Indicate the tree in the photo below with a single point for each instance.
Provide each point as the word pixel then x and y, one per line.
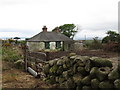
pixel 111 37
pixel 16 38
pixel 111 41
pixel 105 39
pixel 10 40
pixel 67 29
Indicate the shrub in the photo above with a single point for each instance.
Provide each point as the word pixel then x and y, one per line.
pixel 111 47
pixel 19 64
pixel 10 54
pixel 94 44
pixel 7 44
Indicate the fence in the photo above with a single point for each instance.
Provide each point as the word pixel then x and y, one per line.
pixel 40 57
pixel 33 57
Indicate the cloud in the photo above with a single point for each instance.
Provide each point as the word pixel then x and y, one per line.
pixel 113 25
pixel 17 2
pixel 11 2
pixel 90 31
pixel 89 34
pixel 22 35
pixel 27 17
pixel 18 30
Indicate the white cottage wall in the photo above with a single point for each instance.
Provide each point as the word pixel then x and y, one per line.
pixel 52 45
pixel 36 46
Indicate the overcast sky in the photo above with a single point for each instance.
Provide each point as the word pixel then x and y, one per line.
pixel 25 18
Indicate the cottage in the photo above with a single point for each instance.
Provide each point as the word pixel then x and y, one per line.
pixel 46 40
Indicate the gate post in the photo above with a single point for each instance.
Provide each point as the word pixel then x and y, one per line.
pixel 47 56
pixel 25 56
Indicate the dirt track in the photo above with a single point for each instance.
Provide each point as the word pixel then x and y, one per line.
pixel 15 78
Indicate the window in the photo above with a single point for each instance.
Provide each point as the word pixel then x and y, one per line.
pixel 47 45
pixel 58 44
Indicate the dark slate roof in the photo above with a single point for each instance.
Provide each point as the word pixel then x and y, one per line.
pixel 49 36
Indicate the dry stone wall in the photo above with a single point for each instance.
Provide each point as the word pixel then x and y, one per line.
pixel 82 72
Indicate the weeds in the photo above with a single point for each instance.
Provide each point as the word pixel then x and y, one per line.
pixel 11 54
pixel 93 44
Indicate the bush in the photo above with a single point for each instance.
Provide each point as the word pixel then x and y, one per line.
pixel 94 44
pixel 7 44
pixel 111 47
pixel 11 54
pixel 19 64
pixel 111 42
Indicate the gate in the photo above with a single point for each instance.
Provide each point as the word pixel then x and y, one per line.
pixel 34 58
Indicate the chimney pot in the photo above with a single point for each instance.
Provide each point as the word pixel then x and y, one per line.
pixel 44 29
pixel 57 29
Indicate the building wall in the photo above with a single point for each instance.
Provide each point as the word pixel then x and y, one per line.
pixel 78 46
pixel 38 46
pixel 52 45
pixel 68 46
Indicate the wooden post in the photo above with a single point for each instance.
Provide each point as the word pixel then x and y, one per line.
pixel 47 56
pixel 25 56
pixel 63 46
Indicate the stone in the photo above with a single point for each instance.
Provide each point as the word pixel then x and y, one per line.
pixel 65 67
pixel 19 64
pixel 53 69
pixel 117 83
pixel 72 57
pixel 52 62
pixel 81 70
pixel 102 73
pixel 93 71
pixel 86 80
pixel 75 68
pixel 119 64
pixel 80 63
pixel 62 85
pixel 70 83
pixel 59 70
pixel 83 58
pixel 105 84
pixel 95 83
pixel 114 74
pixel 65 74
pixel 70 71
pixel 61 80
pixel 79 87
pixel 77 79
pixel 60 62
pixel 86 88
pixel 100 62
pixel 51 80
pixel 46 68
pixel 88 65
pixel 57 78
pixel 63 57
pixel 68 64
pixel 71 54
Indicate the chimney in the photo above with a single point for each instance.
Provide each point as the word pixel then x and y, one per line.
pixel 44 29
pixel 57 29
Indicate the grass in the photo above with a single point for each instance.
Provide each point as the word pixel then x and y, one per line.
pixel 93 44
pixel 11 54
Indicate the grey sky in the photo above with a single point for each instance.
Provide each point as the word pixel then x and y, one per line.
pixel 25 18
